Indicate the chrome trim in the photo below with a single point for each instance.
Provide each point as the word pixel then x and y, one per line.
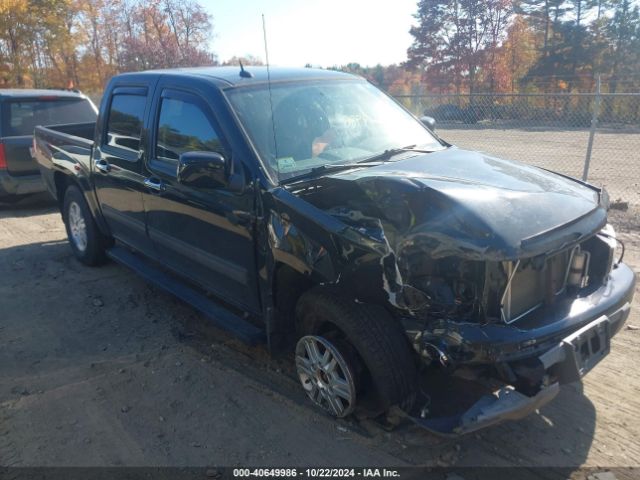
pixel 102 165
pixel 156 185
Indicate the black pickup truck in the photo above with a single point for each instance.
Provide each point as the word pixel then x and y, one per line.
pixel 20 111
pixel 308 210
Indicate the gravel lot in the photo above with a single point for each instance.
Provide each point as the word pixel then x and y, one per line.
pixel 99 368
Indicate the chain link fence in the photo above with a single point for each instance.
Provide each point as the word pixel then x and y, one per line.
pixel 592 136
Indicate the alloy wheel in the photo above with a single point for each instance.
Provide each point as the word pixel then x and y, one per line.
pixel 325 375
pixel 77 226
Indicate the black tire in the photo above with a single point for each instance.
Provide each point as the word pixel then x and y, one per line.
pixel 96 242
pixel 376 336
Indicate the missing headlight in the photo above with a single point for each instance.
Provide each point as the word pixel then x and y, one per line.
pixel 579 268
pixel 608 235
pixel 451 286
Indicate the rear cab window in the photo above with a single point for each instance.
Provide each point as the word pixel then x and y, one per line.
pixel 21 116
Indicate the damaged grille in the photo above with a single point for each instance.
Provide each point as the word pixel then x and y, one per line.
pixel 532 283
pixel 501 291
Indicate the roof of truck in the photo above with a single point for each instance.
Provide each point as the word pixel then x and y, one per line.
pixel 231 75
pixel 31 93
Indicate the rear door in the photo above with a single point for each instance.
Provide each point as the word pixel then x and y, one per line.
pixel 204 234
pixel 19 116
pixel 118 163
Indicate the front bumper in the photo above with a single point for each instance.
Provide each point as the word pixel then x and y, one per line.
pixel 20 185
pixel 543 363
pixel 505 404
pixel 467 343
pixel 568 361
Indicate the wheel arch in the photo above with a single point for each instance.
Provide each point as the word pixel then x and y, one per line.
pixel 62 179
pixel 376 335
pixel 287 286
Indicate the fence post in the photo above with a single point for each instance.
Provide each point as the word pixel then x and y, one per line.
pixel 592 131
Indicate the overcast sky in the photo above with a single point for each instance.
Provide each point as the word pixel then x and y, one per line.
pixel 320 32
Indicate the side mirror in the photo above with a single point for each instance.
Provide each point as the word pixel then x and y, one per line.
pixel 429 122
pixel 203 170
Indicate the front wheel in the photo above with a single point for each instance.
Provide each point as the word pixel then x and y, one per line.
pixel 87 242
pixel 350 352
pixel 326 376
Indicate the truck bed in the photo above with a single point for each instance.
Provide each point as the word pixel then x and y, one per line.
pixel 82 132
pixel 63 147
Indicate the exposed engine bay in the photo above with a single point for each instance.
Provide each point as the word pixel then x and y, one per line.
pixel 435 291
pixel 468 290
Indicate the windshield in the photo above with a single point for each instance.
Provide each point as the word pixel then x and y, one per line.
pixel 324 124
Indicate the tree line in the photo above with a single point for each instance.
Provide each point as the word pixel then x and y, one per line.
pixel 527 45
pixel 507 46
pixel 459 46
pixel 82 43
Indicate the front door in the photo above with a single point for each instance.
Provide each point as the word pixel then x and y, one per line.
pixel 118 166
pixel 205 234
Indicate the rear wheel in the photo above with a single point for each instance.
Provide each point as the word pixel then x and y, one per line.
pixel 87 242
pixel 349 352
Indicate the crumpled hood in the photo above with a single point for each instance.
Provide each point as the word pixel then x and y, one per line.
pixel 458 202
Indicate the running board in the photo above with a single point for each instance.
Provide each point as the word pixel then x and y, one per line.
pixel 220 316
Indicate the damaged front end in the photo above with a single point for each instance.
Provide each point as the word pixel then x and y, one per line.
pixel 514 282
pixel 538 323
pixel 519 328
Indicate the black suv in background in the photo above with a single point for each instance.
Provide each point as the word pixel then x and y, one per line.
pixel 20 112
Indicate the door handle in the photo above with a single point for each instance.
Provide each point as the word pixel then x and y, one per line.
pixel 154 184
pixel 239 217
pixel 102 165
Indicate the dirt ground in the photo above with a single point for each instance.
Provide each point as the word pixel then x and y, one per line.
pixel 98 368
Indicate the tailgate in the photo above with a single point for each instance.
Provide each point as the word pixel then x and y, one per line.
pixel 18 156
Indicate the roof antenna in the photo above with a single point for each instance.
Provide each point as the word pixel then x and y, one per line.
pixel 273 123
pixel 243 72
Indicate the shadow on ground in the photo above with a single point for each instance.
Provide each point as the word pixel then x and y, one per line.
pixel 27 205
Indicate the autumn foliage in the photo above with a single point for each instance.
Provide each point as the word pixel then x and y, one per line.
pixel 461 46
pixel 520 46
pixel 526 45
pixel 82 43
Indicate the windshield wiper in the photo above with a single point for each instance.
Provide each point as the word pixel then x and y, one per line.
pixel 392 152
pixel 379 157
pixel 321 170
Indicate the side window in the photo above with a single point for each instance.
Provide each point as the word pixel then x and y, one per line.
pixel 184 127
pixel 125 121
